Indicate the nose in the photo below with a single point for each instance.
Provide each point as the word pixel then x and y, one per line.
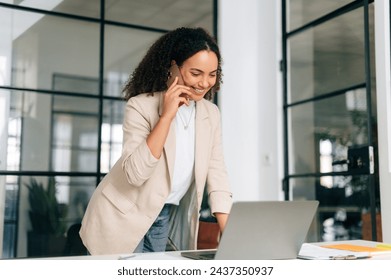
pixel 204 82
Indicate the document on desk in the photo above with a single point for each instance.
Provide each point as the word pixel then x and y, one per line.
pixel 314 252
pixel 381 248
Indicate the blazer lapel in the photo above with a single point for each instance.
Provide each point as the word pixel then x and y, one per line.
pixel 169 146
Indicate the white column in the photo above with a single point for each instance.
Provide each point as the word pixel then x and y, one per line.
pixel 250 98
pixel 383 82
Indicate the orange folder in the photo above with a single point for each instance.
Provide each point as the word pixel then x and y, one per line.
pixel 358 248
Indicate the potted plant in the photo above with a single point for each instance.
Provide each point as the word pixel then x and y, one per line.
pixel 47 217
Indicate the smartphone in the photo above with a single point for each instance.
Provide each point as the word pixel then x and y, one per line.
pixel 174 70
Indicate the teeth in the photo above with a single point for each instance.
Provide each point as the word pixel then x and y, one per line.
pixel 198 90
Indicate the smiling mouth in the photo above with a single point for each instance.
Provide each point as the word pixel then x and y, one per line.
pixel 199 91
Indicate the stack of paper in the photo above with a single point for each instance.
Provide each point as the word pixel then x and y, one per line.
pixel 315 252
pixel 342 251
pixel 379 249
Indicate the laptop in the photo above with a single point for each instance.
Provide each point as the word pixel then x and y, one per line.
pixel 262 230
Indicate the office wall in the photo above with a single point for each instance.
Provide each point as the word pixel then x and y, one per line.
pixel 383 83
pixel 251 97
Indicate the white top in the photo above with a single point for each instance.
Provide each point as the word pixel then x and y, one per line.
pixel 184 156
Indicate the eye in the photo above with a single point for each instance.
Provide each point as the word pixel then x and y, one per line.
pixel 195 74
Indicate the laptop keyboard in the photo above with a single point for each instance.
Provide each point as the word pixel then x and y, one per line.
pixel 200 255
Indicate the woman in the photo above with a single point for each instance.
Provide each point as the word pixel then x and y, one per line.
pixel 171 150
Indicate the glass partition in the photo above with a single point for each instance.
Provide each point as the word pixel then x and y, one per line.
pixel 60 133
pixel 343 212
pixel 329 126
pixel 112 133
pixel 62 69
pixel 74 134
pixel 330 115
pixel 120 60
pixel 44 45
pixel 327 58
pixel 45 233
pixel 302 12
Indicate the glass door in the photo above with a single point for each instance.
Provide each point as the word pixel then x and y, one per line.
pixel 330 115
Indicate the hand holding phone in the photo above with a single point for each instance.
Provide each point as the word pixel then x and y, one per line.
pixel 174 72
pixel 177 92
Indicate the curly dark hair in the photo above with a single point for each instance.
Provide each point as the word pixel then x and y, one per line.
pixel 152 73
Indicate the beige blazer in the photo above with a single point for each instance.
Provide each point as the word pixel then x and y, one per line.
pixel 130 197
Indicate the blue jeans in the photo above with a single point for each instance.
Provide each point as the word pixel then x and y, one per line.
pixel 155 240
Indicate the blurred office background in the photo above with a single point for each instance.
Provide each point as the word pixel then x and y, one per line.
pixel 298 99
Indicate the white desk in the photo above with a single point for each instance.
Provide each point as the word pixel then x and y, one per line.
pixel 176 255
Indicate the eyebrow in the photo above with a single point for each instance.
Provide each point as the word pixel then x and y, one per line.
pixel 199 70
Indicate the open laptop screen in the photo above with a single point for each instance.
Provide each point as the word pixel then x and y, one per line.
pixel 263 230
